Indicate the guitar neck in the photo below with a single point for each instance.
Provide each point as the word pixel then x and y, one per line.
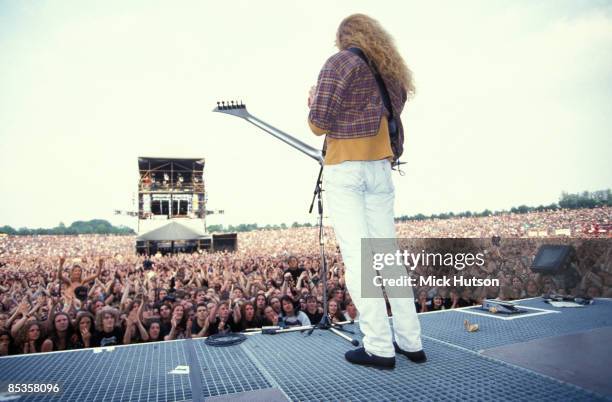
pixel 239 110
pixel 314 153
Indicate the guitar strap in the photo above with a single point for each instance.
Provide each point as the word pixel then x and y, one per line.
pixel 384 94
pixel 382 88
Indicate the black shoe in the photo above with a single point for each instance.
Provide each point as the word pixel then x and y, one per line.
pixel 360 356
pixel 417 357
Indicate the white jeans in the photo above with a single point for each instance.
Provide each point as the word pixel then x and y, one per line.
pixel 359 200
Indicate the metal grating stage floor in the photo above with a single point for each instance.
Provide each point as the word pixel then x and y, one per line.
pixel 313 368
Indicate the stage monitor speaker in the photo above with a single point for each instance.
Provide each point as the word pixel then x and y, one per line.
pixel 552 259
pixel 496 306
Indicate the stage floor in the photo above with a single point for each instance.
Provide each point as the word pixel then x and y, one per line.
pixel 502 361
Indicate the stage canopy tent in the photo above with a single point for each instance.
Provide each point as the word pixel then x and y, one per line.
pixel 153 164
pixel 173 231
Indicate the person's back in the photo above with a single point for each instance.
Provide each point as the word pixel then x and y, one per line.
pixel 356 130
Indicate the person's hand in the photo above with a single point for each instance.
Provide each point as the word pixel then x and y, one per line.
pixel 133 316
pixel 28 346
pixel 311 95
pixel 85 334
pixel 23 307
pixel 38 304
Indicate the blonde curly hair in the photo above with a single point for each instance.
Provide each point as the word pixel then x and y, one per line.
pixel 366 33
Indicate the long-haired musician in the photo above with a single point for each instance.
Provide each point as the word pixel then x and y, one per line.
pixel 363 139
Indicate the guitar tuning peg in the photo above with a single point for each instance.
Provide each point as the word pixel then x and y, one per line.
pixel 223 105
pixel 233 105
pixel 241 105
pixel 218 105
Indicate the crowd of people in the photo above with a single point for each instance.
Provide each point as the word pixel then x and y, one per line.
pixel 71 292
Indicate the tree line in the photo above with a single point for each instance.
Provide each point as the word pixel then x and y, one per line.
pixel 585 199
pixel 94 226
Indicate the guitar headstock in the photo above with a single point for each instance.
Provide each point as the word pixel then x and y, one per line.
pixel 232 107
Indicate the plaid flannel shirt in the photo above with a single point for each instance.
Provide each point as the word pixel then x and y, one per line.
pixel 348 104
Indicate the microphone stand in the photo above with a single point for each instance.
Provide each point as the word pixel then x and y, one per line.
pixel 325 323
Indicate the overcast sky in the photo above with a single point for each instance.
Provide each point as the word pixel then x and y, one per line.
pixel 513 102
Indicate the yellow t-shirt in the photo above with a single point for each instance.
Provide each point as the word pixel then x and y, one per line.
pixel 371 148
